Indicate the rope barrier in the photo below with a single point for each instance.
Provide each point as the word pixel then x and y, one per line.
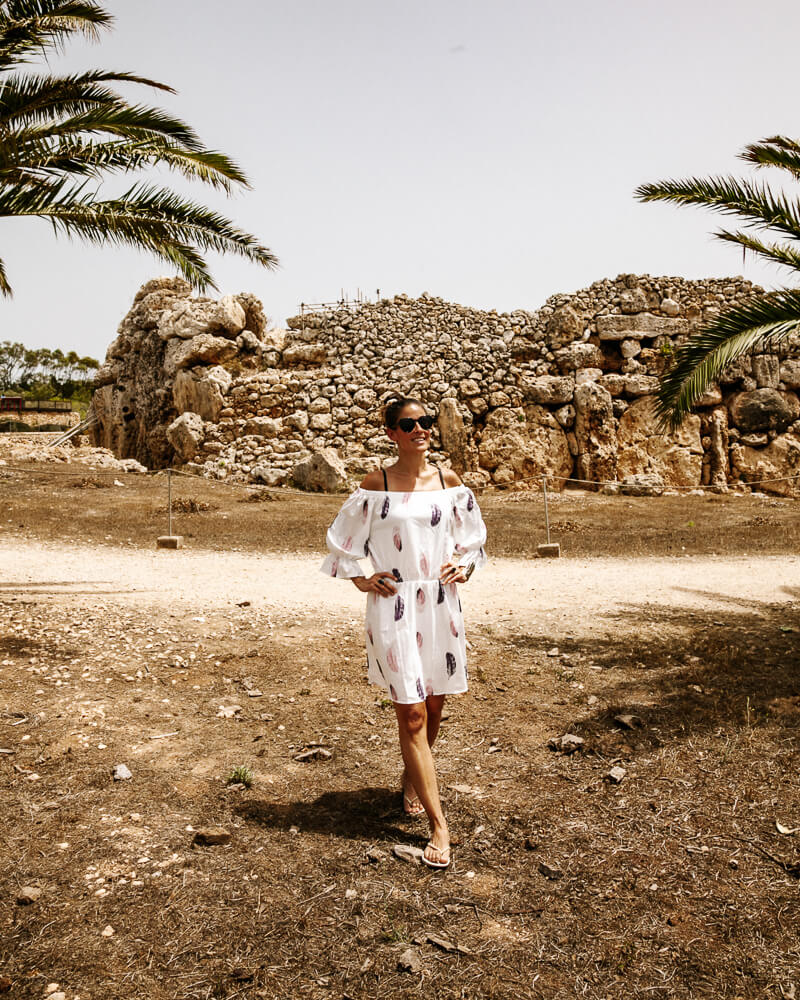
pixel 288 491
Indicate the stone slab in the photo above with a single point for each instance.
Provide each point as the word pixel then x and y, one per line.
pixel 169 542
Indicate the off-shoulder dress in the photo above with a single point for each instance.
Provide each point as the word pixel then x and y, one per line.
pixel 415 638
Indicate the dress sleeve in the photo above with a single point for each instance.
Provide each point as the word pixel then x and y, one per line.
pixel 469 531
pixel 348 537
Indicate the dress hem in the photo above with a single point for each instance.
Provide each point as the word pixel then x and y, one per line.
pixel 435 694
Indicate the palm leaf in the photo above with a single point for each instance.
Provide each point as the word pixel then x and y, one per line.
pixel 757 325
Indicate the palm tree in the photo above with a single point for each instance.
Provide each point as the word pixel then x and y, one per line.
pixel 60 136
pixel 770 228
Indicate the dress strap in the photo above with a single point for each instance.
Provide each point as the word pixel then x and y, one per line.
pixel 385 481
pixel 441 477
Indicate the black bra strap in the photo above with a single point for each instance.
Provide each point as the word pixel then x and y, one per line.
pixel 385 480
pixel 441 477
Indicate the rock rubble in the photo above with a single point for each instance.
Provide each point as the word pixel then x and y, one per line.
pixel 563 391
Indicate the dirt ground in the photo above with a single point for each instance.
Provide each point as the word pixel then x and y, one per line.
pixel 666 638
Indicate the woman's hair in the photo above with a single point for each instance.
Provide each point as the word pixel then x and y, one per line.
pixel 394 406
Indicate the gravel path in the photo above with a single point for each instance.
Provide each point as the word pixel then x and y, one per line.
pixel 520 589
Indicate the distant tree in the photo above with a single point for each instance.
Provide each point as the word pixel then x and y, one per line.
pixel 43 372
pixel 61 135
pixel 762 323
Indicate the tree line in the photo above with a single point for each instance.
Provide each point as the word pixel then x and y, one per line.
pixel 41 373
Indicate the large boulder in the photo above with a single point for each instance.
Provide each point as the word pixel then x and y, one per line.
pixel 322 472
pixel 677 458
pixel 524 444
pixel 193 317
pixel 549 390
pixel 453 434
pixel 201 390
pixel 763 410
pixel 595 433
pixel 771 467
pixel 204 349
pixel 186 434
pixel 718 450
pixel 564 326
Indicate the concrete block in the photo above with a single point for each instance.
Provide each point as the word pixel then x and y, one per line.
pixel 169 542
pixel 550 550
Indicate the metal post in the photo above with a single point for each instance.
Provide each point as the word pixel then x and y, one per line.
pixel 169 502
pixel 546 512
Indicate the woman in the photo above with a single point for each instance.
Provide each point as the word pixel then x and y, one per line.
pixel 423 531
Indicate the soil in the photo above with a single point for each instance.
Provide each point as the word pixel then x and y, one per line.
pixel 666 638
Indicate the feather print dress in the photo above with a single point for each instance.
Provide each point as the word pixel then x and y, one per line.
pixel 415 638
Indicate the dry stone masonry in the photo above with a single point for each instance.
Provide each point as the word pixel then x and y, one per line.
pixel 565 391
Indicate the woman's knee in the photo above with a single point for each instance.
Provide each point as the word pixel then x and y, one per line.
pixel 412 718
pixel 434 703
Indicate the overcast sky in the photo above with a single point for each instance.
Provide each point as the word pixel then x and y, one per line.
pixel 483 151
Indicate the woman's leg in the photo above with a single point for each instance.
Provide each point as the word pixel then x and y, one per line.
pixel 412 721
pixel 434 704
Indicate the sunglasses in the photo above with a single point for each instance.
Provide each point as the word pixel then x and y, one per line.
pixel 407 424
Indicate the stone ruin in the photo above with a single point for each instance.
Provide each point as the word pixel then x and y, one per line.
pixel 565 390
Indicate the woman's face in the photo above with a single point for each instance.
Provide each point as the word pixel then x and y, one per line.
pixel 415 441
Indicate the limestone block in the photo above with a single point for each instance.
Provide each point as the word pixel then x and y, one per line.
pixel 579 355
pixel 633 301
pixel 254 319
pixel 525 443
pixel 763 410
pixel 583 375
pixel 304 354
pixel 193 392
pixel 640 385
pixel 595 433
pixel 297 420
pixel 107 374
pixel 549 390
pixel 453 434
pixel 739 369
pixel 248 342
pixel 469 388
pixel 642 484
pixel 630 348
pixel 565 416
pixel 320 422
pixel 711 397
pixel 365 398
pixel 644 324
pixel 780 459
pixel 499 398
pixel 790 373
pixel 186 434
pixel 202 349
pixel 322 472
pixel 766 371
pixel 193 317
pixel 677 458
pixel 264 427
pixel 613 384
pixel 269 475
pixel 670 307
pixel 564 326
pixel 478 406
pixel 718 449
pixel 754 440
pixel 319 405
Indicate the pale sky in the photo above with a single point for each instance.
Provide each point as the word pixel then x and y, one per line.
pixel 485 152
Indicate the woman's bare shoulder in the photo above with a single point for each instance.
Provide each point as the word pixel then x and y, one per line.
pixel 450 478
pixel 373 480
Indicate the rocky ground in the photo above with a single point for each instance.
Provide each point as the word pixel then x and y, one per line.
pixel 620 779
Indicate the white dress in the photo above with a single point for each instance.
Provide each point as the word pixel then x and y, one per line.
pixel 415 638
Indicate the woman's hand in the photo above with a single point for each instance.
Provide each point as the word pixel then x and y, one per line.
pixel 453 573
pixel 378 583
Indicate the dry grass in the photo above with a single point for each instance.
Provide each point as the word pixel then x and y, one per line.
pixel 674 883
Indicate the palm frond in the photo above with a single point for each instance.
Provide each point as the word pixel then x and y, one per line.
pixel 775 152
pixel 133 121
pixel 5 288
pixel 777 253
pixel 755 203
pixel 28 27
pixel 757 325
pixel 28 98
pixel 156 219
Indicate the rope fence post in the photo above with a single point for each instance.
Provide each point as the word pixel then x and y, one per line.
pixel 550 550
pixel 169 541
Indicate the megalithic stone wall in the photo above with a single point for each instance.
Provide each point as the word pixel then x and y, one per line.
pixel 564 390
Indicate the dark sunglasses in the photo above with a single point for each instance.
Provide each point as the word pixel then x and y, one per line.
pixel 407 424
